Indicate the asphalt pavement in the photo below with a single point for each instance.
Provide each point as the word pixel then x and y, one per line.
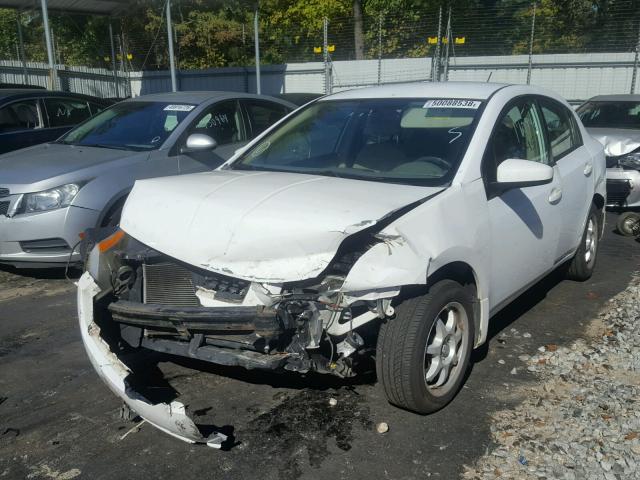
pixel 59 421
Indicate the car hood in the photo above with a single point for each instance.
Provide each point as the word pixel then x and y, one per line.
pixel 616 141
pixel 259 226
pixel 41 162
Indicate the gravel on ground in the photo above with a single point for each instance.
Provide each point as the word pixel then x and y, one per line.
pixel 582 420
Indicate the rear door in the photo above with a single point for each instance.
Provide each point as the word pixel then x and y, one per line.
pixel 574 168
pixel 221 121
pixel 524 222
pixel 21 125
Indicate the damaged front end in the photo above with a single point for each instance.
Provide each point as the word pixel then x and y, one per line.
pixel 132 298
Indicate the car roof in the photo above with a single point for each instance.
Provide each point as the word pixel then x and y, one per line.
pixel 623 97
pixel 467 90
pixel 198 97
pixel 18 93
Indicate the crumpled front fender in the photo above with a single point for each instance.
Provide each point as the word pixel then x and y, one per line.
pixel 168 417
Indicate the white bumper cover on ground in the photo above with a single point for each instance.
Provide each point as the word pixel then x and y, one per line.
pixel 168 417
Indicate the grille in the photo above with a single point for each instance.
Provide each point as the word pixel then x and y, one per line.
pixel 4 207
pixel 168 284
pixel 617 192
pixel 4 192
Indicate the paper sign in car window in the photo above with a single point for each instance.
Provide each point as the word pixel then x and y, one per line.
pixel 453 103
pixel 179 108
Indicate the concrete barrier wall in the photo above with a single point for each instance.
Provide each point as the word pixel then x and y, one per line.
pixel 575 76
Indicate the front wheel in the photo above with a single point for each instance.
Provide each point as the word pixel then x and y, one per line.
pixel 584 262
pixel 629 224
pixel 423 354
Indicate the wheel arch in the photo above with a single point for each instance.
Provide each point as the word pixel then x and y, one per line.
pixel 463 273
pixel 121 196
pixel 599 201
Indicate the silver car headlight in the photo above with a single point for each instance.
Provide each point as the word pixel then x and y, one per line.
pixel 51 199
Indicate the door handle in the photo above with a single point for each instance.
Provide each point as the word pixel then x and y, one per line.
pixel 555 195
pixel 588 168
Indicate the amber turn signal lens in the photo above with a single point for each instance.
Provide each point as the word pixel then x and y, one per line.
pixel 111 241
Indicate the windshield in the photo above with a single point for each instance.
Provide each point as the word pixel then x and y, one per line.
pixel 130 126
pixel 411 141
pixel 610 114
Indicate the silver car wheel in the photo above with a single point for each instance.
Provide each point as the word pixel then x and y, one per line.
pixel 445 348
pixel 590 241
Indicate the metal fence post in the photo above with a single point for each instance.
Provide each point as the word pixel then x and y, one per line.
pixel 531 38
pixel 446 48
pixel 380 50
pixel 634 74
pixel 113 62
pixel 325 51
pixel 257 48
pixel 172 61
pixel 21 49
pixel 47 37
pixel 435 71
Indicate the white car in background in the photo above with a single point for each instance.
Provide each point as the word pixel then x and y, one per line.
pixel 614 120
pixel 399 218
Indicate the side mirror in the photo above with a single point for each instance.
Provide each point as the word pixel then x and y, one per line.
pixel 516 173
pixel 197 142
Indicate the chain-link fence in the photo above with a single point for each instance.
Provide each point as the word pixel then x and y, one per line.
pixel 555 43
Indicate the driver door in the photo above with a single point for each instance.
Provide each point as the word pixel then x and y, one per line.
pixel 524 222
pixel 222 121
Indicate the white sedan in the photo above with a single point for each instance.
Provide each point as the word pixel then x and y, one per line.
pixel 397 219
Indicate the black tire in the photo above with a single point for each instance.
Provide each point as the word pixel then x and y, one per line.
pixel 628 224
pixel 402 362
pixel 583 262
pixel 112 217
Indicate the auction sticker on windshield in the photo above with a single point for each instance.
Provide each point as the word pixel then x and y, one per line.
pixel 179 108
pixel 453 103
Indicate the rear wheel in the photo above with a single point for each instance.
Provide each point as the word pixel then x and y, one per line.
pixel 629 224
pixel 584 262
pixel 423 353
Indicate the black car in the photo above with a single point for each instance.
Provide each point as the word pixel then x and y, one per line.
pixel 31 116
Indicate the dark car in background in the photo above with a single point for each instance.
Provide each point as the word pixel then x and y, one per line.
pixel 299 98
pixel 33 116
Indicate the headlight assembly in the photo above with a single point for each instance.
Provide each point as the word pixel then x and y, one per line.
pixel 631 161
pixel 51 199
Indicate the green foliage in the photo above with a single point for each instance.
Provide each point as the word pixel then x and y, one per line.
pixel 215 33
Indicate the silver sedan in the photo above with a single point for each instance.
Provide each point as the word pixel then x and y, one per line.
pixel 51 193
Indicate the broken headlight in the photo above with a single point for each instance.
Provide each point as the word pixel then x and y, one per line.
pixel 630 161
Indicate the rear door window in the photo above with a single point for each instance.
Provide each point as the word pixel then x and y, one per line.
pixel 63 112
pixel 262 114
pixel 20 115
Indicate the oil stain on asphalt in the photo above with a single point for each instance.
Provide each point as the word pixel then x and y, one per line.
pixel 300 430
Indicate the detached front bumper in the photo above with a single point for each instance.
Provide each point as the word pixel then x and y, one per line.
pixel 168 417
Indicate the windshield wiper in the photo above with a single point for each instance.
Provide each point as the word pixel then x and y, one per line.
pixel 102 145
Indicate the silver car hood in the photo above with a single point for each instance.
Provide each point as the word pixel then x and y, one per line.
pixel 616 141
pixel 259 226
pixel 41 162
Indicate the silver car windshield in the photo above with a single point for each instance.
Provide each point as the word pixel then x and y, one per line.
pixel 610 115
pixel 130 126
pixel 411 141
